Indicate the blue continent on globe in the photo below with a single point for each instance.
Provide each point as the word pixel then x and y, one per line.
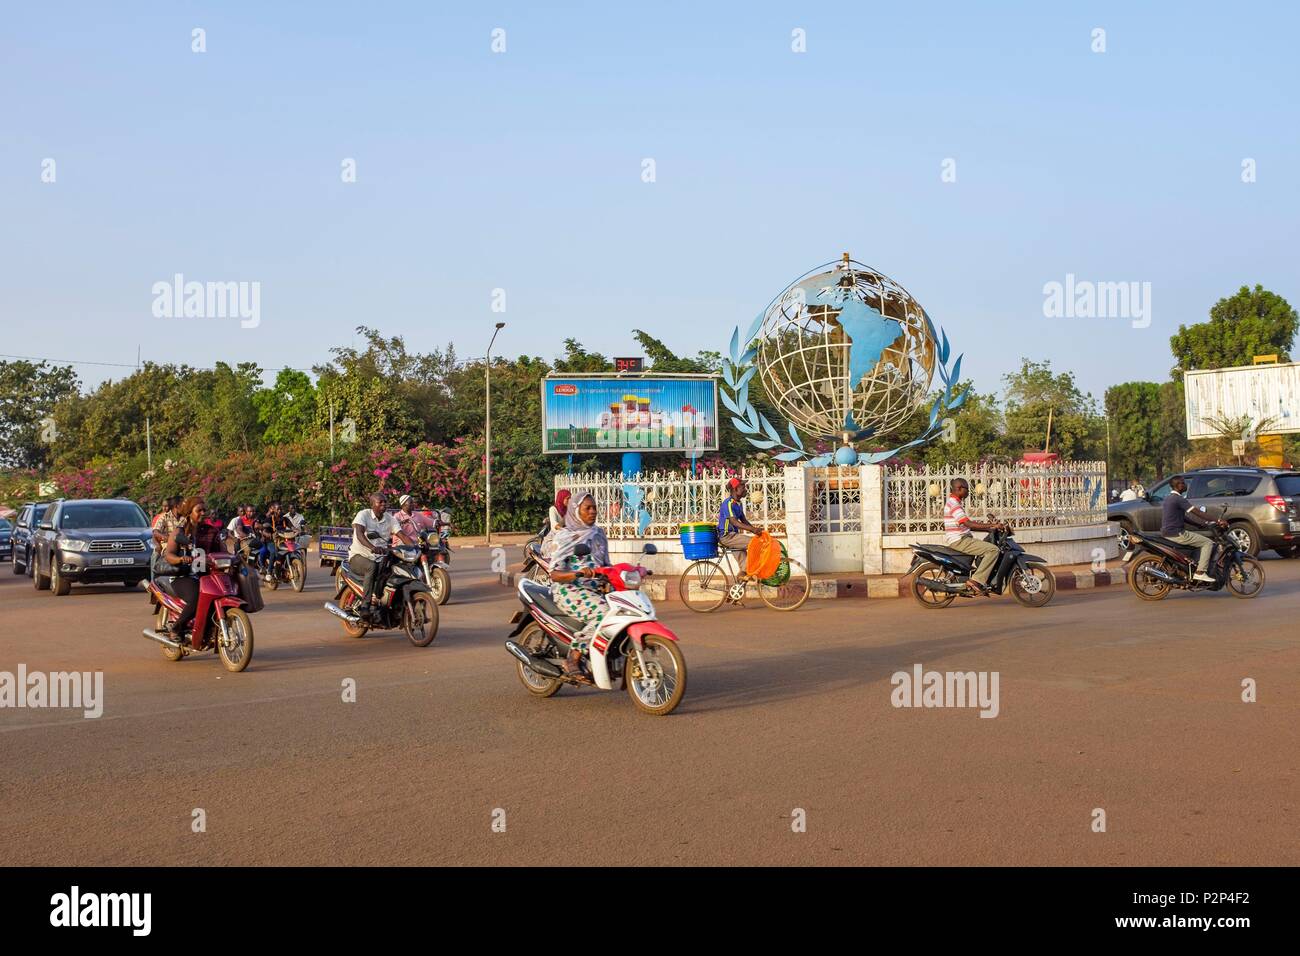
pixel 867 330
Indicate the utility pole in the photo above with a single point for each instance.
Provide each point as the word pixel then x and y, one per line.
pixel 148 442
pixel 487 438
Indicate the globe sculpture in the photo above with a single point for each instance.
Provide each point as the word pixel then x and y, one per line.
pixel 844 351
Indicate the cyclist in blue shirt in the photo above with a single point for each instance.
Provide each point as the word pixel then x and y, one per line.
pixel 732 524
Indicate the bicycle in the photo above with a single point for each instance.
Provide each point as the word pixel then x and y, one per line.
pixel 705 585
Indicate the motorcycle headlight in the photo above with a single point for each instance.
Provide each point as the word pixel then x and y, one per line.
pixel 74 544
pixel 632 579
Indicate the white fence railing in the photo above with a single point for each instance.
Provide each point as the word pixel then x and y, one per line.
pixel 655 504
pixel 1066 494
pixel 835 499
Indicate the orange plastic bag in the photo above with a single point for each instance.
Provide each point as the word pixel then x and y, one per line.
pixel 763 557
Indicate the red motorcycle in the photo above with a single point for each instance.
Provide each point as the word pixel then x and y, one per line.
pixel 221 620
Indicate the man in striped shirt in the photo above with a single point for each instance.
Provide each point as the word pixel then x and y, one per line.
pixel 958 528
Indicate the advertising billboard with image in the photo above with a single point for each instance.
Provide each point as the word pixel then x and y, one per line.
pixel 609 414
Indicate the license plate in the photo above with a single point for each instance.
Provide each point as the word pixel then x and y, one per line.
pixel 327 546
pixel 1295 525
pixel 117 561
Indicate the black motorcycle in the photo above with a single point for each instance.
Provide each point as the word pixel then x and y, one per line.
pixel 1158 565
pixel 405 600
pixel 939 573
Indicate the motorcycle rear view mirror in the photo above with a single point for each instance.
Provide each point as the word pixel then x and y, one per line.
pixel 649 549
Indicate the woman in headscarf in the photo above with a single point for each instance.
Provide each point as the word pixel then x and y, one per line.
pixel 555 521
pixel 577 588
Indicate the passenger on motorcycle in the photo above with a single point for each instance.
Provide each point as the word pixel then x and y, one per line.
pixel 555 522
pixel 412 522
pixel 576 590
pixel 177 556
pixel 299 524
pixel 242 526
pixel 1175 511
pixel 370 527
pixel 164 523
pixel 958 528
pixel 272 524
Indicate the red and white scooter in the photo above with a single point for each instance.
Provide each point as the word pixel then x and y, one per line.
pixel 630 645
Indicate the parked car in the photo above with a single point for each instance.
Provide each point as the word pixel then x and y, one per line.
pixel 91 541
pixel 1263 506
pixel 29 516
pixel 6 540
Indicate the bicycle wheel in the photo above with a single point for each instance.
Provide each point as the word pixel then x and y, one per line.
pixel 792 594
pixel 703 586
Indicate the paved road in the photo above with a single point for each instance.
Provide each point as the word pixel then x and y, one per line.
pixel 1105 702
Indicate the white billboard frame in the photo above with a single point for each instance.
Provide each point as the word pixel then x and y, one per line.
pixel 1259 391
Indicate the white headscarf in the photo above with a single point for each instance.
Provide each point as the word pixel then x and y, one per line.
pixel 575 533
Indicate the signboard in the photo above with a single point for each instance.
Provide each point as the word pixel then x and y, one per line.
pixel 629 364
pixel 47 489
pixel 1239 447
pixel 603 414
pixel 1260 392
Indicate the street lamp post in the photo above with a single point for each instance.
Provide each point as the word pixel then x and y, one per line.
pixel 487 391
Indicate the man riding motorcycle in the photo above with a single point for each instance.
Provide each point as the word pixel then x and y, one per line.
pixel 372 526
pixel 958 528
pixel 1175 512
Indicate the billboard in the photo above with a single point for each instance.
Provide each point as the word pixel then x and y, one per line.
pixel 603 414
pixel 1258 391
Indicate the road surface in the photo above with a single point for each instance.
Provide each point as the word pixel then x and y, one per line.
pixel 1104 703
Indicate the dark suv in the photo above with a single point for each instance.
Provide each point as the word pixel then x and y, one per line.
pixel 29 516
pixel 1263 506
pixel 91 541
pixel 6 540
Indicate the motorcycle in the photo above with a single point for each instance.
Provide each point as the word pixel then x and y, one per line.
pixel 940 573
pixel 406 602
pixel 536 567
pixel 1159 565
pixel 629 645
pixel 289 564
pixel 435 558
pixel 221 621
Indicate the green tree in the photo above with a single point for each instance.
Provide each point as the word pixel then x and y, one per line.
pixel 1033 395
pixel 287 410
pixel 1134 412
pixel 29 392
pixel 977 431
pixel 1252 322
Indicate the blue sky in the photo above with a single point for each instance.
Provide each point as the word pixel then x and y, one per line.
pixel 522 171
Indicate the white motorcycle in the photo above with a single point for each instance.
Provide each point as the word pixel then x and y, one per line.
pixel 630 645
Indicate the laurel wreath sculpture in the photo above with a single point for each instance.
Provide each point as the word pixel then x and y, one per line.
pixel 739 368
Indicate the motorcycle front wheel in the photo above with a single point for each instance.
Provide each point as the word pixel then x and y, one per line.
pixel 298 575
pixel 926 597
pixel 236 654
pixel 420 619
pixel 1246 580
pixel 1145 586
pixel 533 640
pixel 440 584
pixel 1034 587
pixel 659 688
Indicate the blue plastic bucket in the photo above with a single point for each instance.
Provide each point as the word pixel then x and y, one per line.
pixel 699 540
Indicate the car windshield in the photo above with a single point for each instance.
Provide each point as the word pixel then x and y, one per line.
pixel 1288 484
pixel 103 515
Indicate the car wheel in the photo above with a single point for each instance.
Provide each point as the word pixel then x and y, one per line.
pixel 39 581
pixel 60 585
pixel 1125 535
pixel 1246 537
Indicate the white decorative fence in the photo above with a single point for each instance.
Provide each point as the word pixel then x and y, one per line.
pixel 655 504
pixel 859 518
pixel 1067 494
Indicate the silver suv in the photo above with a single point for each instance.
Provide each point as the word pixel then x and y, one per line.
pixel 1263 506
